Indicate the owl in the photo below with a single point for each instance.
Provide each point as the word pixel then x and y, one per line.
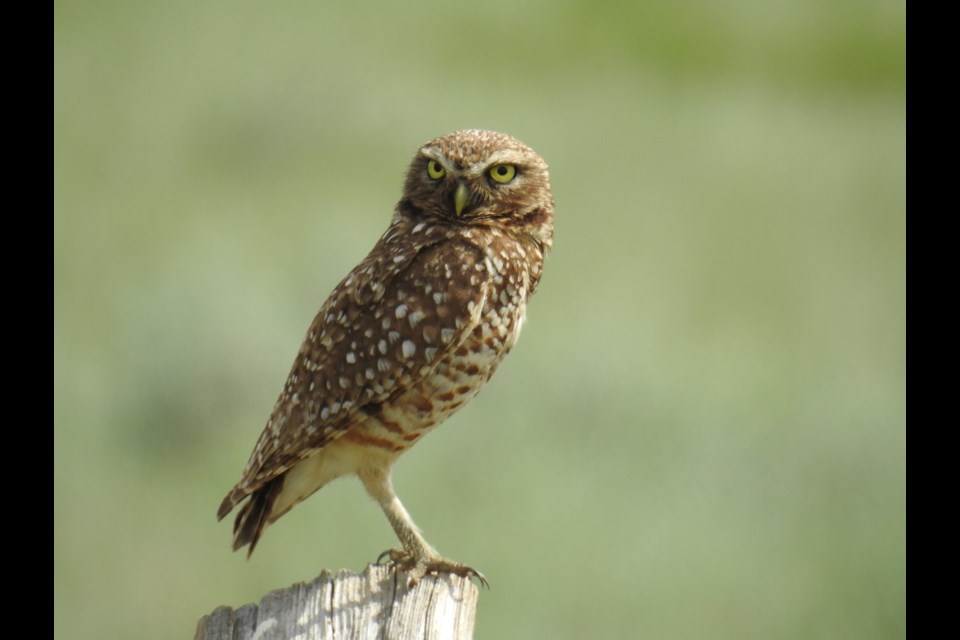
pixel 408 337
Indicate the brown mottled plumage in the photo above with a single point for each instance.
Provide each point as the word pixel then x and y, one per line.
pixel 409 336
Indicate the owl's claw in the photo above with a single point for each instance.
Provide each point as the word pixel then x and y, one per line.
pixel 391 556
pixel 417 567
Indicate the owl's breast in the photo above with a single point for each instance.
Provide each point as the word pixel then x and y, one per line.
pixel 460 374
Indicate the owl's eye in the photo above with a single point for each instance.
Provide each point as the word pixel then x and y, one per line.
pixel 435 170
pixel 503 173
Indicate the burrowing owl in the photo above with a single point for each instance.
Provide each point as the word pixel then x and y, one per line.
pixel 408 337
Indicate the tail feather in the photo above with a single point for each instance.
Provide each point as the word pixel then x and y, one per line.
pixel 229 502
pixel 254 516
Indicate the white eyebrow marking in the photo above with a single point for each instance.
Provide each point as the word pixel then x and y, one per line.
pixel 504 156
pixel 435 154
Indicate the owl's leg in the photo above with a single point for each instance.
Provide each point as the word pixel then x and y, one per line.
pixel 416 557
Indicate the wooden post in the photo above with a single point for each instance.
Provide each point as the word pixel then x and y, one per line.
pixel 377 603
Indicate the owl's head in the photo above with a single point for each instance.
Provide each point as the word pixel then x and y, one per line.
pixel 477 177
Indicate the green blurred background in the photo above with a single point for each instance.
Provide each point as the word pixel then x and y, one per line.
pixel 701 433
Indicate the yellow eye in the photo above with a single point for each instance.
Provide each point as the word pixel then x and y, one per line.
pixel 503 173
pixel 435 170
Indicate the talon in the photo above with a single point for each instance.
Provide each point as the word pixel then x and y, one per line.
pixel 471 573
pixel 447 566
pixel 481 579
pixel 416 566
pixel 389 553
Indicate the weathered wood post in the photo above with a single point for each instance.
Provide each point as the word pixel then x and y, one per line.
pixel 377 603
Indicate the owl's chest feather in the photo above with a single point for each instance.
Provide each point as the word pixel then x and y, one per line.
pixel 462 372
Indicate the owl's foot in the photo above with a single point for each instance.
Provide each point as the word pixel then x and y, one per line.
pixel 418 566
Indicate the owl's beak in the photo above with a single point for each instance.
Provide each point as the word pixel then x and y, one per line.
pixel 460 198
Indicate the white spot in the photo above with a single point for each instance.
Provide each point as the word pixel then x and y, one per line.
pixel 415 318
pixel 370 374
pixel 382 346
pixel 344 382
pixel 400 258
pixel 352 358
pixel 393 336
pixel 401 311
pixel 430 353
pixel 438 298
pixel 335 408
pixel 383 365
pixel 446 335
pixel 324 413
pixel 408 348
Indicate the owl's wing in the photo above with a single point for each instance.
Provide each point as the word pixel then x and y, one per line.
pixel 383 329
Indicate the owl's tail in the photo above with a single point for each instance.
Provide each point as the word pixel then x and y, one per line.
pixel 254 515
